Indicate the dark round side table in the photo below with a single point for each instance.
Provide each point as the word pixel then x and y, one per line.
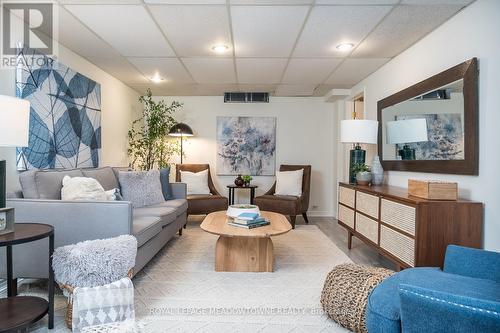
pixel 249 187
pixel 17 312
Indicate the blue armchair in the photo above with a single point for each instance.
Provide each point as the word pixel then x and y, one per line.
pixel 463 297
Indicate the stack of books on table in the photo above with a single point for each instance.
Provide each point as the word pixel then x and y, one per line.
pixel 248 221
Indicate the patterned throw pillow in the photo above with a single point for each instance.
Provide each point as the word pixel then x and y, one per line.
pixel 141 188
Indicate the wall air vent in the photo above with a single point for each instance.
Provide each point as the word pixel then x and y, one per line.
pixel 246 97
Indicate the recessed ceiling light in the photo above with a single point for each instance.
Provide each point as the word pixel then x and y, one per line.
pixel 220 48
pixel 156 78
pixel 344 47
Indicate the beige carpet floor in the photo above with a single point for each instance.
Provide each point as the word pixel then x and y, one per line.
pixel 179 291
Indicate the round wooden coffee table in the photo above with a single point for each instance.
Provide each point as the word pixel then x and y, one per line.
pixel 244 250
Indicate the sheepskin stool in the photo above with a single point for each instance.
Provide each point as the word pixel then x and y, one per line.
pixel 93 263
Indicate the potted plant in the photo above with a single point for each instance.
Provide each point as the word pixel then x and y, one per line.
pixel 247 179
pixel 149 145
pixel 363 174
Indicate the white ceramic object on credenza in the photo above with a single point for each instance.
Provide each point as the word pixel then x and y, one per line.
pixel 377 172
pixel 235 210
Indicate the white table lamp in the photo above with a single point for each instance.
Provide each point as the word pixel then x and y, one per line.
pixel 14 128
pixel 404 132
pixel 357 131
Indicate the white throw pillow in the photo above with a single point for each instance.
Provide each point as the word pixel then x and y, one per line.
pixel 82 188
pixel 289 182
pixel 196 182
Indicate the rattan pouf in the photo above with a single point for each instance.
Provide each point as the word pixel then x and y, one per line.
pixel 346 292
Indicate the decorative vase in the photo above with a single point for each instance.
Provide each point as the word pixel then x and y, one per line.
pixel 239 181
pixel 363 178
pixel 377 172
pixel 247 183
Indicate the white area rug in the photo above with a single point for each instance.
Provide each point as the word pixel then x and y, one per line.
pixel 179 291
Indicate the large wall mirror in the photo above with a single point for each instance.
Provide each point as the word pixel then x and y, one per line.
pixel 432 126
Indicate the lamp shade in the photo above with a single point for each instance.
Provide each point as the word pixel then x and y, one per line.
pixel 181 129
pixel 14 121
pixel 358 131
pixel 406 131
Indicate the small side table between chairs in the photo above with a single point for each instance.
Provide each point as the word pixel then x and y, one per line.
pixel 249 187
pixel 17 312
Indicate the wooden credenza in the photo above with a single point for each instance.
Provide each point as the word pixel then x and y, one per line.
pixel 408 230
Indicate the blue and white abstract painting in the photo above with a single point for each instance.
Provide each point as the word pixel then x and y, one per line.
pixel 65 115
pixel 246 145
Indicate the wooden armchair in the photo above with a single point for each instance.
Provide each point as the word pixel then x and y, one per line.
pixel 288 204
pixel 202 203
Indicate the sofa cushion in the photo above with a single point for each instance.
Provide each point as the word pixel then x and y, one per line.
pixel 105 176
pixel 166 213
pixel 28 184
pixel 49 182
pixel 180 204
pixel 145 227
pixel 141 188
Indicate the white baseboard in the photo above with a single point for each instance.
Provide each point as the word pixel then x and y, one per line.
pixel 317 213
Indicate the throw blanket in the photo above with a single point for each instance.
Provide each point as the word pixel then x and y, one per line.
pixel 95 308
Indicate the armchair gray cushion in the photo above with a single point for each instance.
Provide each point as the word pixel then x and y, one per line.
pixel 105 176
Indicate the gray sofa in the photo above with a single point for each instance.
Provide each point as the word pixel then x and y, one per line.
pixel 75 221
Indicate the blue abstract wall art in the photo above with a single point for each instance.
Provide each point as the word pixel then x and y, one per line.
pixel 65 115
pixel 246 145
pixel 445 133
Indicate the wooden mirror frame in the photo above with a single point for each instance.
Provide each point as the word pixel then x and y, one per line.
pixel 468 71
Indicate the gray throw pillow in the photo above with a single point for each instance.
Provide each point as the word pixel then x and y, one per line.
pixel 141 188
pixel 165 183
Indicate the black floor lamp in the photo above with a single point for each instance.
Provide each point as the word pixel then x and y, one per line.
pixel 181 130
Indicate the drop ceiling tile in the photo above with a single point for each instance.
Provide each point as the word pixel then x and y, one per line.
pixel 271 2
pixel 211 70
pixel 187 2
pixel 436 2
pixel 87 44
pixel 351 71
pixel 170 69
pixel 193 30
pixel 260 70
pixel 295 90
pixel 270 88
pixel 266 31
pixel 121 69
pixel 356 2
pixel 128 28
pixel 329 26
pixel 404 26
pixel 100 2
pixel 309 71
